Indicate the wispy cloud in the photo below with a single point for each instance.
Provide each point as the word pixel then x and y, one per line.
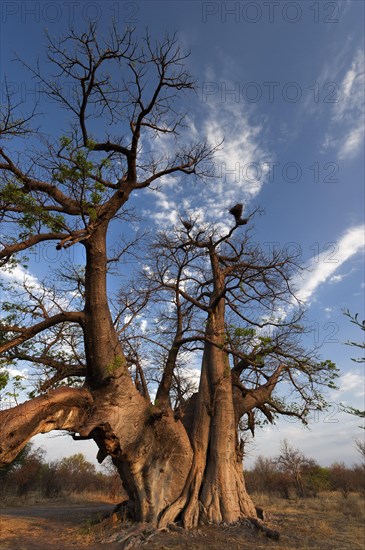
pixel 240 166
pixel 352 143
pixel 336 278
pixel 346 130
pixel 323 267
pixel 351 383
pixel 19 275
pixel 18 279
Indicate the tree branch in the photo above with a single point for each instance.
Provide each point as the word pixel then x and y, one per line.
pixel 27 333
pixel 60 409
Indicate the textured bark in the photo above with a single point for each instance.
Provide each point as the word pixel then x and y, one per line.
pixel 150 448
pixel 103 351
pixel 61 409
pixel 215 490
pixel 223 495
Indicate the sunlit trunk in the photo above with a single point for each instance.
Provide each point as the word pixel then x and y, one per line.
pixel 103 351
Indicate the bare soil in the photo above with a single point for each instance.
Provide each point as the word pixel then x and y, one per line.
pixel 328 522
pixel 61 526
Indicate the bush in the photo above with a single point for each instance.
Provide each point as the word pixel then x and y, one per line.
pixel 70 476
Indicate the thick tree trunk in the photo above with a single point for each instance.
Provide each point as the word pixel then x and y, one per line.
pixel 149 447
pixel 223 495
pixel 166 474
pixel 104 355
pixel 170 468
pixel 215 489
pixel 167 469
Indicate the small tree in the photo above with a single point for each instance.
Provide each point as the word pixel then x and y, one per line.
pixel 293 462
pixel 360 446
pixel 265 477
pixel 341 478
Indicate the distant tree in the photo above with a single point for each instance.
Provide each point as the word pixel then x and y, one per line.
pixel 359 443
pixel 317 478
pixel 293 462
pixel 113 485
pixel 28 476
pixel 265 477
pixel 341 478
pixel 30 472
pixel 360 446
pixel 18 460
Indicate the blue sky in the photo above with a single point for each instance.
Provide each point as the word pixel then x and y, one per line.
pixel 283 84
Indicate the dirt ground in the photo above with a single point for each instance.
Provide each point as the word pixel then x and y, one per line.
pixel 61 526
pixel 328 522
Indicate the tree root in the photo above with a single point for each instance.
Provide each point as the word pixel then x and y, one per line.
pixel 140 536
pixel 134 536
pixel 270 533
pixel 137 536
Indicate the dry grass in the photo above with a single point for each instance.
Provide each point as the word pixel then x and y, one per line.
pixel 323 522
pixel 327 522
pixel 34 498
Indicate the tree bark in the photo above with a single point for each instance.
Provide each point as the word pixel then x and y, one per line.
pixel 104 354
pixel 149 447
pixel 60 409
pixel 223 495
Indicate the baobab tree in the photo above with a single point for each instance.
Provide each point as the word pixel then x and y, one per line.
pixel 184 463
pixel 226 295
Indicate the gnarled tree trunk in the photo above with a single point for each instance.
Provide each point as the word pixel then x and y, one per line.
pixel 170 467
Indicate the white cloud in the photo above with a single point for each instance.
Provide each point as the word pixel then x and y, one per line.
pixel 240 167
pixel 18 372
pixel 352 143
pixel 193 374
pixel 143 325
pixel 352 381
pixel 240 164
pixel 336 278
pixel 323 267
pixel 351 89
pixel 19 275
pixel 21 279
pixel 346 131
